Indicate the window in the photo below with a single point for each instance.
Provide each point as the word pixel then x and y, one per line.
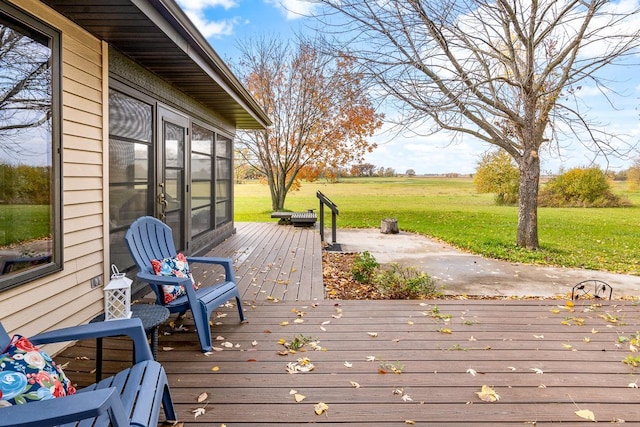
pixel 30 207
pixel 130 143
pixel 201 180
pixel 224 177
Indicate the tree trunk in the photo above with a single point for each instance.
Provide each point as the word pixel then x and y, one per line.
pixel 528 200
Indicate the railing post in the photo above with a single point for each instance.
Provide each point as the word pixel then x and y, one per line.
pixel 321 220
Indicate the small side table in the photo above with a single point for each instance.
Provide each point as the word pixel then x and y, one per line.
pixel 152 316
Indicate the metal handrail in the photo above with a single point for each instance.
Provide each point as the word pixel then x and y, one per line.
pixel 324 200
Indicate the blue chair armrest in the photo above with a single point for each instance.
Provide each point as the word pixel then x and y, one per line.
pixel 225 262
pixel 130 327
pixel 66 409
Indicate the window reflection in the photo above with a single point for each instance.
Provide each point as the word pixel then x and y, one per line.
pixel 27 202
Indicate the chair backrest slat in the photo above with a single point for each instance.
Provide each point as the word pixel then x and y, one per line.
pixel 148 238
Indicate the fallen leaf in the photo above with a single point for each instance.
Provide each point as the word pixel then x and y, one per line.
pixel 487 394
pixel 537 370
pixel 348 365
pixel 406 398
pixel 540 337
pixel 410 422
pixel 633 385
pixel 298 321
pixel 254 343
pixel 371 358
pixel 473 372
pixel 198 411
pixel 202 397
pixel 356 385
pixel 299 397
pixel 320 407
pixel 167 348
pixel 586 414
pixel 326 322
pixel 372 334
pixel 285 323
pixel 215 368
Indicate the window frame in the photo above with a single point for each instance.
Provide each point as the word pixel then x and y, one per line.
pixel 55 39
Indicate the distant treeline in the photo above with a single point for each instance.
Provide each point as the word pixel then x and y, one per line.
pixel 28 185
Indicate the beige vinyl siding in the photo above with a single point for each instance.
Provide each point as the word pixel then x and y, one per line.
pixel 66 298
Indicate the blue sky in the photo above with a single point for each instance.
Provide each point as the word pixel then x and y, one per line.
pixel 224 22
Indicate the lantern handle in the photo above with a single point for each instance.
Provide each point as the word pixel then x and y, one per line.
pixel 115 273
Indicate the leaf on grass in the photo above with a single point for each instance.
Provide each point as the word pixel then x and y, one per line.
pixel 586 414
pixel 487 394
pixel 320 408
pixel 202 397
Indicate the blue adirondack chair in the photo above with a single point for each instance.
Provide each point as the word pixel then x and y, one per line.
pixel 131 397
pixel 147 239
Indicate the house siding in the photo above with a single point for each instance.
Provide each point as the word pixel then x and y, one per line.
pixel 65 298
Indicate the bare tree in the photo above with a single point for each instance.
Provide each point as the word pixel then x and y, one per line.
pixel 321 115
pixel 25 88
pixel 504 71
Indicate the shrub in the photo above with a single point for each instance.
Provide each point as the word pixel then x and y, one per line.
pixel 363 268
pixel 580 187
pixel 498 174
pixel 402 282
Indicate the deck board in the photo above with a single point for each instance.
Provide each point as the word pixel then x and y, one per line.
pixel 579 351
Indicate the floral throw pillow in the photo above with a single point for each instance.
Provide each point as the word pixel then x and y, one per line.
pixel 175 267
pixel 28 374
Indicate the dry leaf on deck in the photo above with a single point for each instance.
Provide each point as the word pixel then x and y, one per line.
pixel 355 384
pixel 320 407
pixel 488 394
pixel 198 411
pixel 202 397
pixel 299 397
pixel 586 414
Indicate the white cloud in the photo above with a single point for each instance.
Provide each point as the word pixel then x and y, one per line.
pixel 293 9
pixel 195 10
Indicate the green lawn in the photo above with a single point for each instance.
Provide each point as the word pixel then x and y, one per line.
pixel 19 223
pixel 451 210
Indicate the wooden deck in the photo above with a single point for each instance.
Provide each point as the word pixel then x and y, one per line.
pixel 546 360
pixel 274 261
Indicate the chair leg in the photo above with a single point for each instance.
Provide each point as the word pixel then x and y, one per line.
pixel 167 405
pixel 201 319
pixel 240 310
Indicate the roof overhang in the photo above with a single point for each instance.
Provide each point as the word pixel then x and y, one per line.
pixel 158 35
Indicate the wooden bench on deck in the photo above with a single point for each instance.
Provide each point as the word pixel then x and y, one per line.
pixel 298 219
